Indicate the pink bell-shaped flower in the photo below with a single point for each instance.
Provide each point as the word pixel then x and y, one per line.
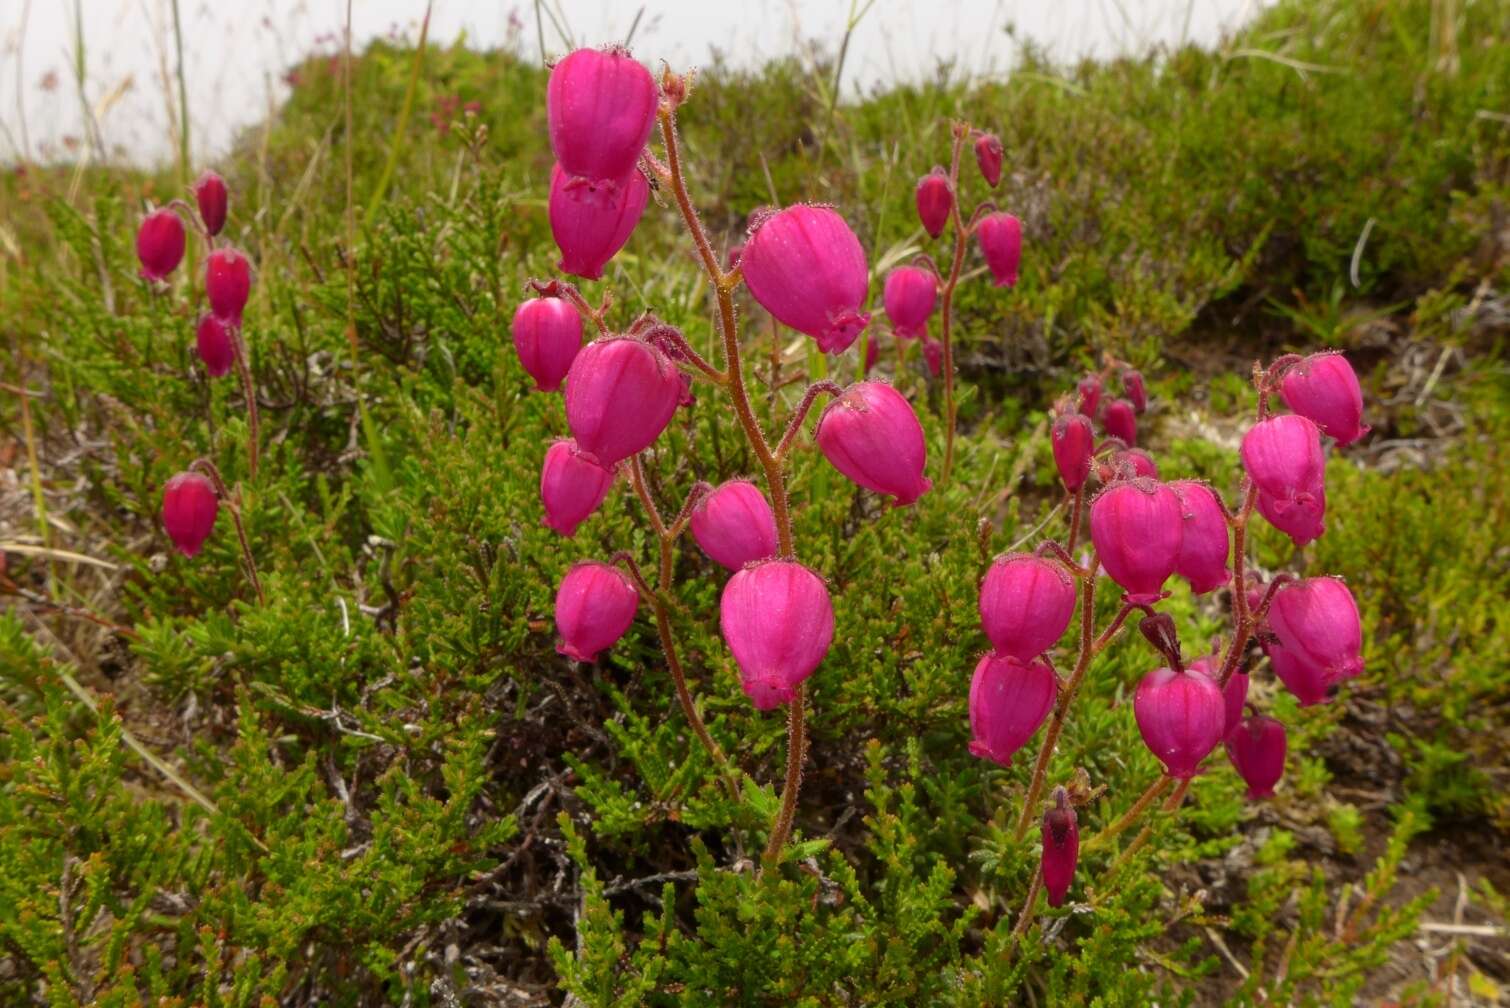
pixel 806 267
pixel 210 194
pixel 227 283
pixel 1026 602
pixel 1134 390
pixel 1317 620
pixel 1204 545
pixel 1307 681
pixel 1009 700
pixel 935 198
pixel 212 340
pixel 1000 237
pixel 1324 389
pixel 1073 440
pixel 778 621
pixel 1283 456
pixel 590 232
pixel 190 505
pixel 988 155
pixel 1234 694
pixel 547 333
pixel 1302 518
pixel 1138 529
pixel 620 394
pixel 572 486
pixel 1256 748
pixel 1061 847
pixel 734 525
pixel 911 293
pixel 871 435
pixel 594 607
pixel 1119 421
pixel 600 106
pixel 1089 388
pixel 160 244
pixel 1180 715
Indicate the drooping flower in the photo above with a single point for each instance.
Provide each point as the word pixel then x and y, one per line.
pixel 910 295
pixel 1026 602
pixel 210 195
pixel 734 524
pixel 1073 441
pixel 1120 422
pixel 590 232
pixel 572 486
pixel 227 283
pixel 547 333
pixel 620 394
pixel 190 505
pixel 1324 388
pixel 778 621
pixel 1061 847
pixel 160 244
pixel 871 435
pixel 935 198
pixel 1283 457
pixel 1235 694
pixel 1256 748
pixel 212 340
pixel 1204 545
pixel 1307 681
pixel 594 607
pixel 600 105
pixel 1000 237
pixel 1089 388
pixel 1009 700
pixel 806 267
pixel 1302 518
pixel 1138 529
pixel 1317 620
pixel 988 155
pixel 1134 389
pixel 1180 715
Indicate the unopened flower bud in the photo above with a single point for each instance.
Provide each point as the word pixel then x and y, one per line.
pixel 227 283
pixel 212 340
pixel 910 295
pixel 1120 422
pixel 210 194
pixel 1073 440
pixel 160 244
pixel 1134 390
pixel 1000 238
pixel 988 155
pixel 1089 388
pixel 190 505
pixel 547 334
pixel 935 198
pixel 1061 848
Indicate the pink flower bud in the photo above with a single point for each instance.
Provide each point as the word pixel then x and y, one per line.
pixel 778 621
pixel 600 105
pixel 1025 604
pixel 1061 848
pixel 1131 463
pixel 212 338
pixel 620 394
pixel 911 293
pixel 1120 422
pixel 1000 237
pixel 1009 700
pixel 871 435
pixel 1256 748
pixel 935 197
pixel 1073 440
pixel 210 194
pixel 1090 394
pixel 547 333
pixel 160 244
pixel 227 283
pixel 1134 390
pixel 1235 693
pixel 1283 456
pixel 1302 518
pixel 190 505
pixel 1307 681
pixel 988 154
pixel 591 232
pixel 1204 545
pixel 734 525
pixel 1317 620
pixel 933 355
pixel 594 606
pixel 1324 388
pixel 1138 528
pixel 806 267
pixel 572 486
pixel 1181 716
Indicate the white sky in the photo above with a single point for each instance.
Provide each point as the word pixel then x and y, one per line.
pixel 237 50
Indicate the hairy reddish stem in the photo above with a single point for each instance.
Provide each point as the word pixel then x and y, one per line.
pixel 1026 916
pixel 794 426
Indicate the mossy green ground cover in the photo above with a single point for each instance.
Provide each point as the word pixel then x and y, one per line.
pixel 410 798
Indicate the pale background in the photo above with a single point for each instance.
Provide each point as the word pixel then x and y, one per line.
pixel 237 50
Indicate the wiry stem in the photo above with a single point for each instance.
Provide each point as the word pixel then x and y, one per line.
pixel 1075 515
pixel 1173 802
pixel 794 425
pixel 1026 915
pixel 233 505
pixel 946 317
pixel 1126 819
